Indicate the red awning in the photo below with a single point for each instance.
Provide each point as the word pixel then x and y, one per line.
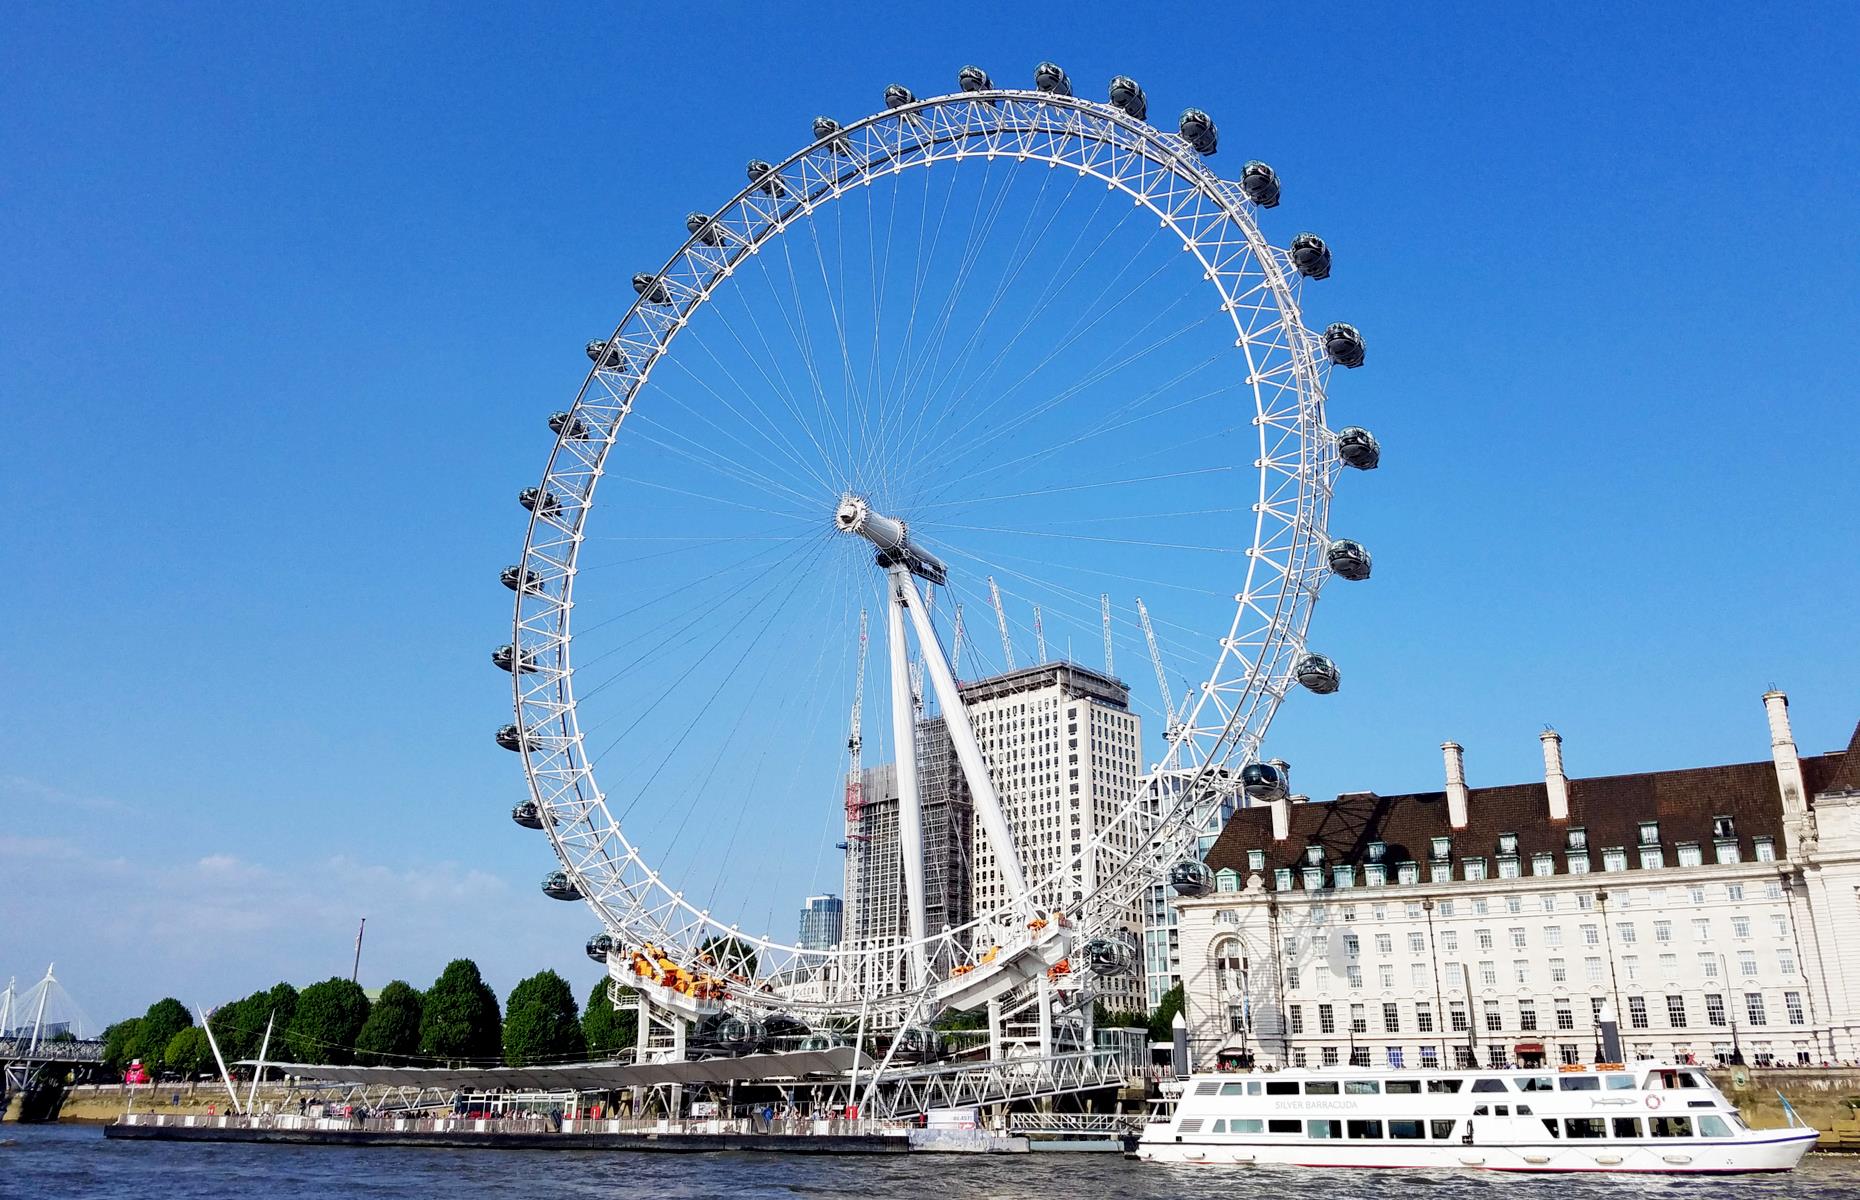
pixel 1528 1048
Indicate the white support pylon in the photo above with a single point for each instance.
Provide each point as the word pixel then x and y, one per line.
pixel 904 747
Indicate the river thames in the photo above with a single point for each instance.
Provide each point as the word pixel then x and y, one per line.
pixel 54 1162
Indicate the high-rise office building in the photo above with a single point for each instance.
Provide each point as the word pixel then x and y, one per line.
pixel 821 920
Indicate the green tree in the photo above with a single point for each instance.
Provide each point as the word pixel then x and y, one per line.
pixel 1116 1018
pixel 961 1019
pixel 605 1028
pixel 1162 1021
pixel 392 1032
pixel 729 955
pixel 460 1018
pixel 327 1020
pixel 165 1018
pixel 119 1044
pixel 541 1023
pixel 187 1052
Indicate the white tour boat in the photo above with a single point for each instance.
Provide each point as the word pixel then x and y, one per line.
pixel 1634 1117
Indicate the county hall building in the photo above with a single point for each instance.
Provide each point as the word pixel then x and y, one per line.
pixel 1714 910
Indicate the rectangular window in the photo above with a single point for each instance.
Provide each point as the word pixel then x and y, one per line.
pixel 1375 874
pixel 1578 838
pixel 1649 832
pixel 1328 1056
pixel 1417 943
pixel 1281 879
pixel 1624 932
pixel 1652 858
pixel 1565 1016
pixel 1344 876
pixel 1747 963
pixel 1488 974
pixel 1424 1018
pixel 1514 903
pixel 1327 1018
pixel 1456 1013
pixel 1296 1014
pixel 1689 855
pixel 1442 847
pixel 1385 975
pixel 1676 1011
pixel 1578 864
pixel 1740 927
pixel 1614 859
pixel 1492 1022
pixel 1792 1005
pixel 1394 1056
pixel 1517 937
pixel 1733 891
pixel 1701 928
pixel 1527 1015
pixel 1405 1130
pixel 1662 931
pixel 1779 924
pixel 1521 971
pixel 1785 961
pixel 1543 864
pixel 1391 1018
pixel 1714 1009
pixel 1559 970
pixel 1727 852
pixel 1323 1128
pixel 1630 967
pixel 1352 945
pixel 1553 936
pixel 1593 967
pixel 1417 974
pixel 1408 872
pixel 1765 849
pixel 1508 867
pixel 1669 965
pixel 1430 1057
pixel 1255 860
pixel 1753 1005
pixel 1353 975
pixel 1449 940
pixel 1385 944
pixel 1591 935
pixel 1475 868
pixel 1485 939
pixel 1637 1012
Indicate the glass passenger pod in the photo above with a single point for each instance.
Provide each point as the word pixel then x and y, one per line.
pixel 607 356
pixel 558 886
pixel 1260 184
pixel 512 738
pixel 539 501
pixel 1127 94
pixel 568 425
pixel 897 96
pixel 1191 877
pixel 651 288
pixel 1311 256
pixel 974 79
pixel 1317 674
pixel 507 658
pixel 705 230
pixel 1198 130
pixel 601 945
pixel 1263 782
pixel 1358 448
pixel 1107 957
pixel 1344 345
pixel 826 129
pixel 517 577
pixel 766 179
pixel 1348 560
pixel 527 815
pixel 1050 77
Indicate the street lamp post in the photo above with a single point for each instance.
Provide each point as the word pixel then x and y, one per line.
pixel 1730 1003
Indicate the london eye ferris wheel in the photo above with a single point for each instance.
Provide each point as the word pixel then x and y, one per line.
pixel 976 369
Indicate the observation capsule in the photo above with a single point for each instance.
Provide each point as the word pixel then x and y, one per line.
pixel 1198 131
pixel 506 658
pixel 1317 673
pixel 766 178
pixel 1051 77
pixel 974 79
pixel 1349 560
pixel 607 356
pixel 1311 256
pixel 781 1031
pixel 1127 94
pixel 1343 344
pixel 1264 782
pixel 705 230
pixel 539 501
pixel 527 815
pixel 601 945
pixel 1191 877
pixel 738 1033
pixel 827 130
pixel 568 425
pixel 651 288
pixel 1260 184
pixel 512 738
pixel 558 886
pixel 1107 957
pixel 897 96
pixel 1358 448
pixel 518 578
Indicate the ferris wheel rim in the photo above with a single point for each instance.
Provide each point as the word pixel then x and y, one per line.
pixel 1184 166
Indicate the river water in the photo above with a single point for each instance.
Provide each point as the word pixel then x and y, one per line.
pixel 60 1161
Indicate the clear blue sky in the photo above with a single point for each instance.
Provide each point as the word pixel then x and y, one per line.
pixel 288 291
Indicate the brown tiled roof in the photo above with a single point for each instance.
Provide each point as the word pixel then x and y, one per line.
pixel 1609 808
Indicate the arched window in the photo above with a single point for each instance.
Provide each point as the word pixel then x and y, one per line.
pixel 1229 966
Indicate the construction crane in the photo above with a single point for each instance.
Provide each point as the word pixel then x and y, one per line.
pixel 1039 633
pixel 1162 677
pixel 955 659
pixel 855 747
pixel 1104 606
pixel 1007 643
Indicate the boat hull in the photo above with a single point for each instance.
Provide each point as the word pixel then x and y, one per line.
pixel 1767 1151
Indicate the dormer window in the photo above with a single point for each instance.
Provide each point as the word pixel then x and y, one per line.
pixel 1376 851
pixel 1507 843
pixel 1543 864
pixel 1649 833
pixel 1314 878
pixel 1375 874
pixel 1443 847
pixel 1255 860
pixel 1578 838
pixel 1282 879
pixel 1314 855
pixel 1408 872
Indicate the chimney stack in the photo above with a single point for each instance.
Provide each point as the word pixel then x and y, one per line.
pixel 1555 782
pixel 1281 819
pixel 1788 770
pixel 1456 783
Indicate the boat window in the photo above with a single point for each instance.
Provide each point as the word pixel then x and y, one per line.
pixel 1701 1104
pixel 1438 1086
pixel 1243 1125
pixel 1361 1087
pixel 1366 1129
pixel 1627 1127
pixel 1737 1122
pixel 1442 1130
pixel 1219 1126
pixel 1692 1079
pixel 1551 1125
pixel 1281 1087
pixel 1402 1087
pixel 1321 1087
pixel 1524 1110
pixel 1618 1083
pixel 1406 1130
pixel 1285 1126
pixel 1482 1110
pixel 1536 1083
pixel 1323 1128
pixel 1232 1089
pixel 1252 1087
pixel 1580 1083
pixel 1670 1126
pixel 1488 1085
pixel 1209 1088
pixel 1710 1126
pixel 1190 1125
pixel 1585 1127
pixel 1501 1110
